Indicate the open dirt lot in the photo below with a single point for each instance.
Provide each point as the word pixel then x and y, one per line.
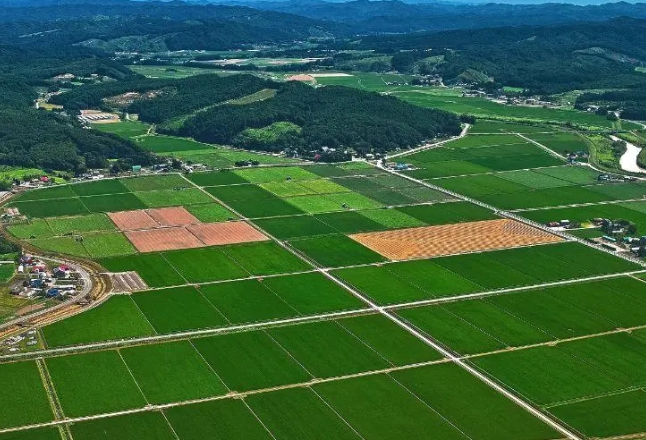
pixel 435 241
pixel 127 282
pixel 98 117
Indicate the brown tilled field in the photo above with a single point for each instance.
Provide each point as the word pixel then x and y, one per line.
pixel 164 239
pixel 214 234
pixel 129 220
pixel 435 241
pixel 176 216
pixel 152 218
pixel 191 236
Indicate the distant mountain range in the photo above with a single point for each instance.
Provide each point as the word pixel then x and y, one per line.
pixel 302 18
pixel 398 16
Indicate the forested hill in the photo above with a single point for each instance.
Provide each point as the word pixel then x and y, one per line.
pixel 292 115
pixel 40 139
pixel 545 59
pixel 334 117
pixel 35 65
pixel 173 97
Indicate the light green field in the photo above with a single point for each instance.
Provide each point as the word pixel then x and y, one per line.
pixel 107 244
pixel 82 223
pixel 172 72
pixel 36 228
pixel 127 129
pixel 171 197
pixel 277 174
pixel 485 108
pixel 167 144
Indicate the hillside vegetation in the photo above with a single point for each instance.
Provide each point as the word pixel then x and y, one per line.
pixel 544 59
pixel 297 116
pixel 334 117
pixel 33 138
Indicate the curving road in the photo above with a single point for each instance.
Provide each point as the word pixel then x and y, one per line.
pixel 9 327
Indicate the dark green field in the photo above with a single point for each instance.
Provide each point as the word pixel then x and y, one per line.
pixel 247 361
pixel 532 317
pixel 100 187
pixel 215 178
pixel 308 347
pixel 21 387
pixel 221 419
pixel 220 266
pixel 178 309
pixel 487 416
pixel 327 349
pixel 366 403
pixel 308 415
pixel 117 318
pixel 38 209
pixel 94 383
pixel 128 427
pixel 335 251
pixel 265 258
pixel 172 372
pixel 155 270
pixel 113 202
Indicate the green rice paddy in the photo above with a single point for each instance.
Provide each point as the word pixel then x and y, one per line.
pixel 21 387
pixel 311 356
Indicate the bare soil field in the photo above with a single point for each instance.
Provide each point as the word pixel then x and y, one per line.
pixel 130 220
pixel 435 241
pixel 215 234
pixel 164 239
pixel 301 77
pixel 176 216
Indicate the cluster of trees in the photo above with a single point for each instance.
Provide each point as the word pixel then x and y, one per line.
pixel 631 102
pixel 92 96
pixel 195 93
pixel 175 97
pixel 333 117
pixel 47 140
pixel 35 65
pixel 39 139
pixel 8 247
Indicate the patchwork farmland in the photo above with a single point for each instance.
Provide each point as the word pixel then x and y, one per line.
pixel 339 301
